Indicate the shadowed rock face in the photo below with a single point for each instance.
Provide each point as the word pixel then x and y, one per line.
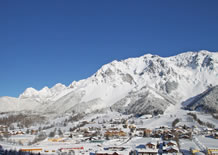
pixel 127 78
pixel 170 86
pixel 206 101
pixel 208 62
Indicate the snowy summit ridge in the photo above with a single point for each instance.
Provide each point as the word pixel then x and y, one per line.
pixel 44 93
pixel 150 82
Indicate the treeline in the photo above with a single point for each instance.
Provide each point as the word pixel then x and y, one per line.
pixel 14 152
pixel 75 118
pixel 208 124
pixel 23 120
pixel 175 122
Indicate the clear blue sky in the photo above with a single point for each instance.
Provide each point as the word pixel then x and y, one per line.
pixel 44 42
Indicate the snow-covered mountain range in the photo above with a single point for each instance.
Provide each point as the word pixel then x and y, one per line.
pixel 147 84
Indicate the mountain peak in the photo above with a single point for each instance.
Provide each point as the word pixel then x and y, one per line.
pixel 177 77
pixel 29 92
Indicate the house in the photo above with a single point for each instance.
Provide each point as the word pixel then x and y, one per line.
pixel 146 152
pixel 148 149
pixel 115 148
pixel 212 151
pixel 34 132
pixel 5 133
pixel 115 134
pixel 168 136
pixel 13 132
pixel 20 133
pixel 171 143
pixel 144 132
pixel 146 116
pixel 172 150
pixel 170 147
pixel 194 150
pixel 70 149
pixel 216 135
pixel 132 126
pixel 147 132
pixel 185 136
pixel 32 150
pixel 54 139
pixel 143 150
pixel 3 128
pixel 151 145
pixel 89 134
pixel 199 153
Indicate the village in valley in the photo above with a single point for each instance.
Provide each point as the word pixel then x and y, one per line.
pixel 112 133
pixel 118 77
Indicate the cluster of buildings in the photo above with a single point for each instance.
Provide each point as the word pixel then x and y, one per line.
pixel 116 137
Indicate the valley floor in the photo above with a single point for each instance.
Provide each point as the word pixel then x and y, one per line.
pixel 110 132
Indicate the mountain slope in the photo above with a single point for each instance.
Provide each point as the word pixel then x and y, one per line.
pixel 206 101
pixel 149 81
pixel 143 101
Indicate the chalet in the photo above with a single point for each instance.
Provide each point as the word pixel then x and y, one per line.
pixel 148 149
pixel 141 129
pixel 115 148
pixel 168 136
pixel 55 139
pixel 3 127
pixel 116 121
pixel 172 150
pixel 34 132
pixel 113 151
pixel 94 129
pixel 212 151
pixel 132 126
pixel 147 152
pixel 147 133
pixel 67 134
pixel 170 147
pixel 194 150
pixel 151 145
pixel 199 153
pixel 146 116
pixel 115 134
pixel 171 143
pixel 114 129
pixel 70 149
pixel 2 133
pixel 216 135
pixel 156 135
pixel 208 131
pixel 13 132
pixel 89 134
pixel 184 136
pixel 20 133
